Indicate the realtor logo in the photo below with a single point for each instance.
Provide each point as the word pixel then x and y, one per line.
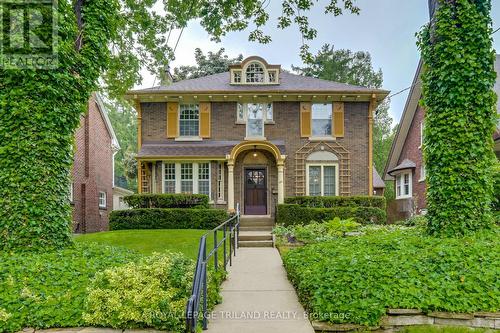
pixel 28 34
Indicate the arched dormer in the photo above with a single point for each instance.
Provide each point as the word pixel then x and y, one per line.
pixel 254 70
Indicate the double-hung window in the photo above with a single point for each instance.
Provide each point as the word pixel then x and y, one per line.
pixel 186 178
pixel 204 178
pixel 254 115
pixel 321 120
pixel 403 185
pixel 220 182
pixel 102 199
pixel 189 120
pixel 169 178
pixel 322 179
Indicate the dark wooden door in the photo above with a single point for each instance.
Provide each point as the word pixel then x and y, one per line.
pixel 255 191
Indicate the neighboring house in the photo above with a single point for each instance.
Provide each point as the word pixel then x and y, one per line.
pixel 118 194
pixel 255 135
pixel 405 164
pixel 92 173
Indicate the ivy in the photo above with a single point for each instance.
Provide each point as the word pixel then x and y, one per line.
pixel 460 117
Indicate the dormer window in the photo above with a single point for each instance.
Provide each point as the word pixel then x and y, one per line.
pixel 255 73
pixel 254 70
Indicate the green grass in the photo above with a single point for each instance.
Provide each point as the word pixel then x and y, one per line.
pixel 443 329
pixel 146 242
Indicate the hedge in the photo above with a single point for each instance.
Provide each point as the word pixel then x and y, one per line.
pixel 337 201
pixel 294 214
pixel 167 201
pixel 166 218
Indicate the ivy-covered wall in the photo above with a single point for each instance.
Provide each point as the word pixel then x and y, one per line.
pixel 460 116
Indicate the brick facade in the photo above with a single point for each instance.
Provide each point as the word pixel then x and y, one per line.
pixel 92 172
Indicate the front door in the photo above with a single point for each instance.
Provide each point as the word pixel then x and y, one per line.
pixel 255 191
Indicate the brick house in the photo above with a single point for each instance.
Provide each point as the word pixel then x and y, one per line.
pixel 92 174
pixel 405 164
pixel 254 135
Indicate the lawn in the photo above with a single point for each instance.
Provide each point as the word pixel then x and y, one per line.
pixel 146 242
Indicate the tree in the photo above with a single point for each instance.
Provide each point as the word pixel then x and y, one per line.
pixel 212 63
pixel 99 39
pixel 356 68
pixel 460 117
pixel 124 120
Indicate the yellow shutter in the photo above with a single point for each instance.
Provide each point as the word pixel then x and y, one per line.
pixel 305 119
pixel 338 120
pixel 205 109
pixel 172 120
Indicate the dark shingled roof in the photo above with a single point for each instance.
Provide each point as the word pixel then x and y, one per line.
pixel 194 149
pixel 288 83
pixel 377 180
pixel 406 164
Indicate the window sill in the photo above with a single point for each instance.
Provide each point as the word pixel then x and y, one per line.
pixel 269 122
pixel 421 180
pixel 322 138
pixel 240 122
pixel 405 197
pixel 221 202
pixel 255 138
pixel 188 138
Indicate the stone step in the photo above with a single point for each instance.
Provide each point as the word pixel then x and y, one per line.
pixel 255 236
pixel 256 228
pixel 260 243
pixel 256 223
pixel 257 219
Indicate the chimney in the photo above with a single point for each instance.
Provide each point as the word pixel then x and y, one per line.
pixel 166 78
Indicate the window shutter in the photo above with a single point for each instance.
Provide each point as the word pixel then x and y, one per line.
pixel 205 109
pixel 305 119
pixel 338 120
pixel 172 120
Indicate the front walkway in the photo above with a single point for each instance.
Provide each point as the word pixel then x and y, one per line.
pixel 257 297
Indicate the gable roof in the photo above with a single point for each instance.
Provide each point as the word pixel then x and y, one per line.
pixel 409 112
pixel 104 114
pixel 288 83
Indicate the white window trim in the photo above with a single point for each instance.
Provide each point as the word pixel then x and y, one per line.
pixel 105 201
pixel 71 192
pixel 187 137
pixel 322 165
pixel 421 135
pixel 220 173
pixel 322 137
pixel 266 72
pixel 410 187
pixel 423 173
pixel 195 176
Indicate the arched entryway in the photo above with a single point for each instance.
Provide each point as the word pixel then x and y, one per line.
pixel 255 177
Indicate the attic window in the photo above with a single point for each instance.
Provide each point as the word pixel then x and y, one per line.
pixel 237 77
pixel 272 76
pixel 254 73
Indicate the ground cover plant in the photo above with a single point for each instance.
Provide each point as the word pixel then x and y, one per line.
pixel 396 267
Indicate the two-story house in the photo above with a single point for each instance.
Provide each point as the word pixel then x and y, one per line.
pixel 254 135
pixel 405 164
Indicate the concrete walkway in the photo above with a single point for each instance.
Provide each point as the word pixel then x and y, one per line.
pixel 257 297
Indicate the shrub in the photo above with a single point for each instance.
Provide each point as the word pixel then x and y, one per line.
pixel 337 201
pixel 396 267
pixel 166 218
pixel 167 201
pixel 294 214
pixel 415 221
pixel 316 232
pixel 43 290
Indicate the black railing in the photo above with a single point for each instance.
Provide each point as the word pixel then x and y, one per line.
pixel 230 230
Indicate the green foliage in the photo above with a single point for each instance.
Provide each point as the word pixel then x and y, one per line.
pixel 291 214
pixel 416 221
pixel 316 232
pixel 460 118
pixel 337 201
pixel 396 267
pixel 166 218
pixel 177 200
pixel 150 293
pixel 48 289
pixel 212 63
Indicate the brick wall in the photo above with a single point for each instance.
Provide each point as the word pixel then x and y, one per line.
pixel 92 172
pixel 412 151
pixel 286 127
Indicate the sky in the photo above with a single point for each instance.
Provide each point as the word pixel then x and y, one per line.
pixel 385 28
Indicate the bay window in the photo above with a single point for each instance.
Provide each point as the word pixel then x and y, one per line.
pixel 403 185
pixel 169 178
pixel 322 179
pixel 186 178
pixel 180 177
pixel 204 178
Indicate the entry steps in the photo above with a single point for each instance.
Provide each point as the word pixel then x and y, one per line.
pixel 256 231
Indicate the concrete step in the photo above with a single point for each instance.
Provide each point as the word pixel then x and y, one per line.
pixel 256 223
pixel 255 236
pixel 257 219
pixel 256 228
pixel 260 243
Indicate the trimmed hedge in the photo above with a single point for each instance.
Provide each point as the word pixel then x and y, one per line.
pixel 337 201
pixel 167 201
pixel 166 218
pixel 294 214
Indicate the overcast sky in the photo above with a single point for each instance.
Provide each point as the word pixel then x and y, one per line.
pixel 385 28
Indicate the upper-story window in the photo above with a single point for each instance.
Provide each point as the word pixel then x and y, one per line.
pixel 189 120
pixel 321 120
pixel 237 76
pixel 255 73
pixel 254 115
pixel 403 185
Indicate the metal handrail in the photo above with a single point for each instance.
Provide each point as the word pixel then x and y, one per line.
pixel 230 228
